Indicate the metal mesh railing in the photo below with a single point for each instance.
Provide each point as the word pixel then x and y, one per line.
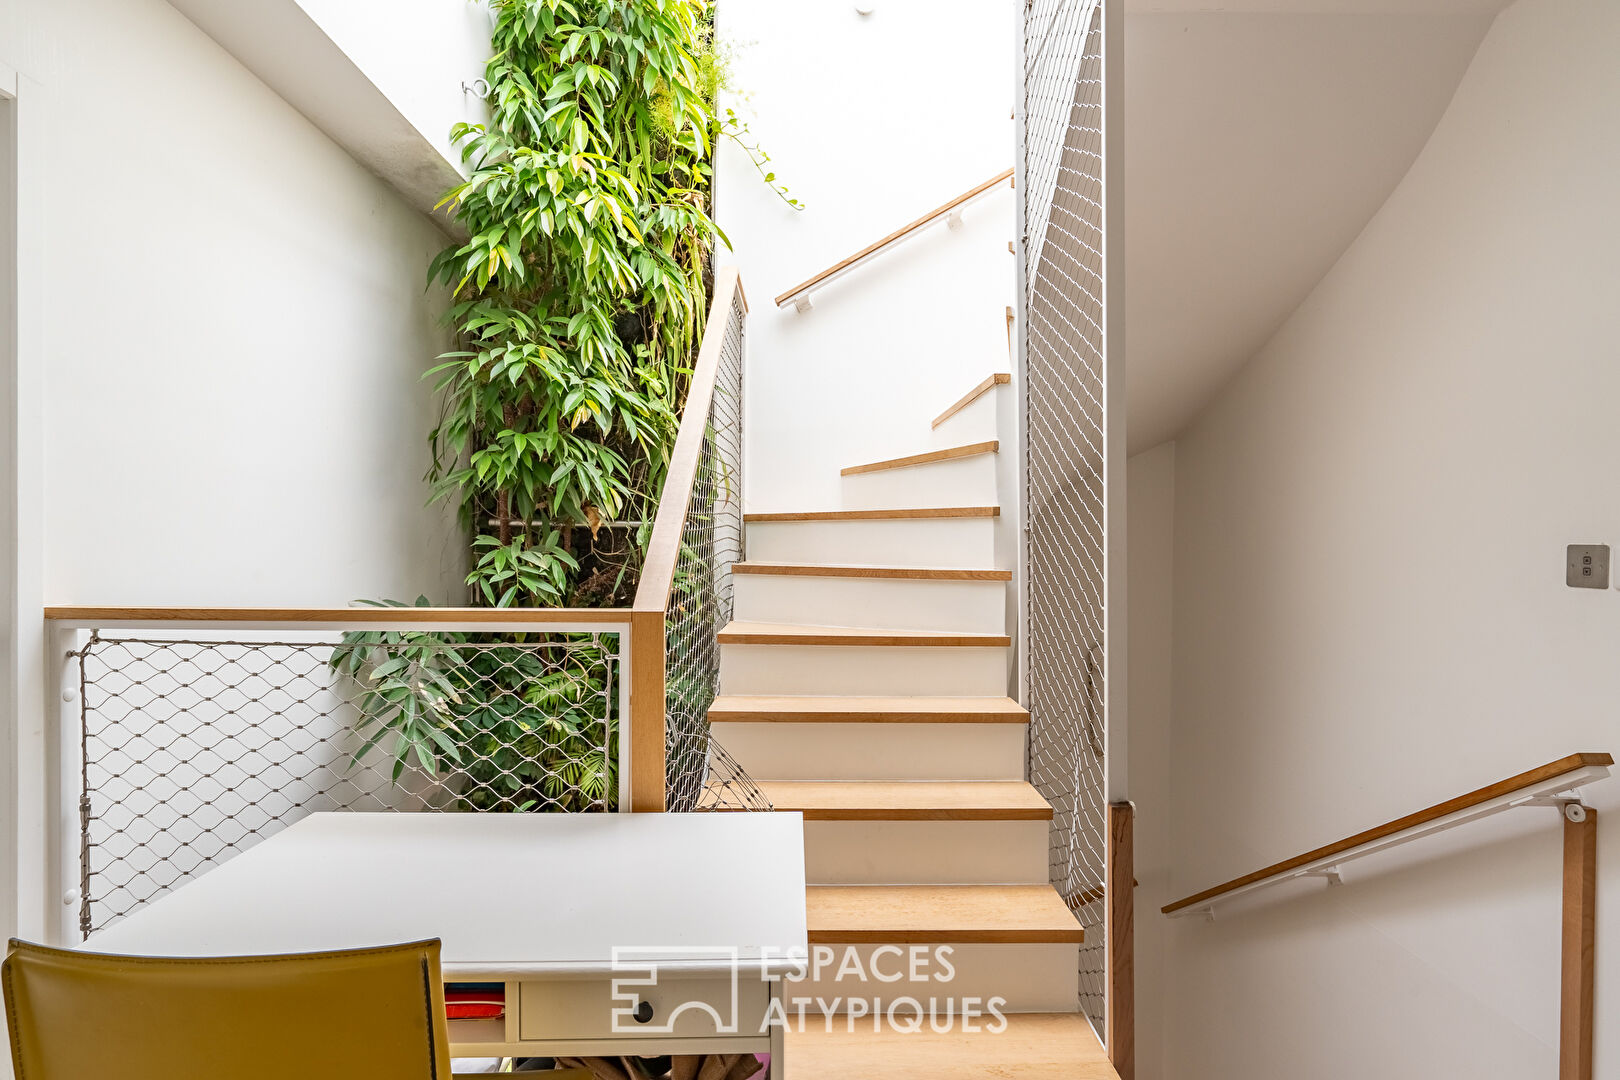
pixel 699 774
pixel 1065 497
pixel 194 750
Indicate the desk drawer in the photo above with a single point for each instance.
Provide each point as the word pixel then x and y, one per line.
pixel 584 1009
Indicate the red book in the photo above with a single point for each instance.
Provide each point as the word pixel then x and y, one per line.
pixel 478 1004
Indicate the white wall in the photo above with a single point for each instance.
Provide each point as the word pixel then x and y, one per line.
pixel 1150 528
pixel 223 334
pixel 9 593
pixel 382 78
pixel 871 121
pixel 234 406
pixel 1370 612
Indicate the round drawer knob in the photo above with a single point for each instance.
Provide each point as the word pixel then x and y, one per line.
pixel 644 1012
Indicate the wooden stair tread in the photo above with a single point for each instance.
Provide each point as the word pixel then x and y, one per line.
pixel 1033 1046
pixel 1000 378
pixel 927 914
pixel 880 710
pixel 948 454
pixel 893 573
pixel 745 633
pixel 878 515
pixel 920 800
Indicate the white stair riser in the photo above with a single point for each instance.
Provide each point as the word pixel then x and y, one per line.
pixel 1037 977
pixel 969 481
pixel 926 852
pixel 950 542
pixel 976 423
pixel 952 671
pixel 775 751
pixel 978 607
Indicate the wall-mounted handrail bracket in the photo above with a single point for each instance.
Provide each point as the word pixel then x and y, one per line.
pixel 1331 874
pixel 1568 803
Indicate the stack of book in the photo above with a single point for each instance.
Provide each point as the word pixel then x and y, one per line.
pixel 475 1001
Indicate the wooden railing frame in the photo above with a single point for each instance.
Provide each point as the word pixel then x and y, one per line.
pixel 799 295
pixel 1557 784
pixel 647 623
pixel 67 629
pixel 349 618
pixel 1577 979
pixel 640 626
pixel 1121 931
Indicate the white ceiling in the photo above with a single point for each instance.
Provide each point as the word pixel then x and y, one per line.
pixel 1258 142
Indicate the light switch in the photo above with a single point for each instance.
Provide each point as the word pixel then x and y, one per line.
pixel 1588 566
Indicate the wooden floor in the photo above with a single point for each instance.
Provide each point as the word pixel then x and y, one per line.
pixel 1035 1046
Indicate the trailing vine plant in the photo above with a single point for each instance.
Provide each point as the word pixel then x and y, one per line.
pixel 578 299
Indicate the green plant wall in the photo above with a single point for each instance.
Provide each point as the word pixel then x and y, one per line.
pixel 579 297
pixel 580 293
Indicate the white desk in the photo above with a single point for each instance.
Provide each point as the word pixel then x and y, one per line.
pixel 556 906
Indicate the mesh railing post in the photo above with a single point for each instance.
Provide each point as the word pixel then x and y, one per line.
pixel 79 656
pixel 701 775
pixel 1065 461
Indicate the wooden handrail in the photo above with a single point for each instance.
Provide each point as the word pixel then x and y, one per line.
pixel 900 233
pixel 1523 782
pixel 403 616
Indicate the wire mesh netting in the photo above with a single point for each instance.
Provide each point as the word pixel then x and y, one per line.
pixel 699 774
pixel 1064 348
pixel 192 751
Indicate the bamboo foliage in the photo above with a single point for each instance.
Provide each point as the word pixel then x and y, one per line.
pixel 579 296
pixel 579 293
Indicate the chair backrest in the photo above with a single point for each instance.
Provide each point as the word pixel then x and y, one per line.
pixel 363 1014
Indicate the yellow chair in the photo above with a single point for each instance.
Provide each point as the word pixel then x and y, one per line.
pixel 365 1014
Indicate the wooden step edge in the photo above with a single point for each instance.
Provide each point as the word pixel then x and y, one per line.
pixel 902 915
pixel 914 813
pixel 748 709
pixel 770 634
pixel 1000 378
pixel 877 515
pixel 911 800
pixel 907 813
pixel 966 935
pixel 948 454
pixel 891 573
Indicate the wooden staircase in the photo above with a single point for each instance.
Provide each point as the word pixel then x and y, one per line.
pixel 865 685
